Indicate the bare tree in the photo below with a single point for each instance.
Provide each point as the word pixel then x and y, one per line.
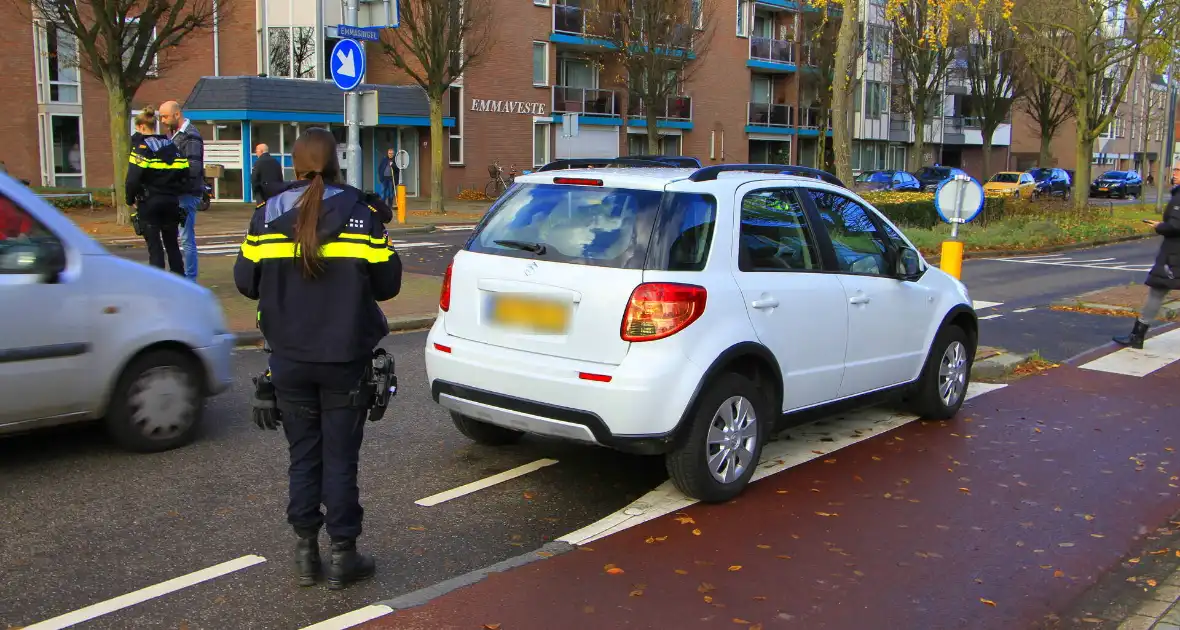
pixel 844 64
pixel 921 54
pixel 435 44
pixel 821 30
pixel 657 45
pixel 991 72
pixel 120 43
pixel 1102 42
pixel 1038 96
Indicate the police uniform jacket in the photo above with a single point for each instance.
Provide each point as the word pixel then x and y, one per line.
pixel 156 176
pixel 332 317
pixel 1165 273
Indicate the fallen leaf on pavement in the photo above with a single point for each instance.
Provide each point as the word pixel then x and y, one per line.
pixel 759 598
pixel 696 532
pixel 1152 583
pixel 1046 566
pixel 876 459
pixel 636 593
pixel 708 599
pixel 756 626
pixel 1091 620
pixel 1058 574
pixel 818 452
pixel 736 567
pixel 1064 544
pixel 491 626
pixel 529 495
pixel 681 572
pixel 987 601
pixel 614 571
pixel 783 557
pixel 782 491
pixel 741 622
pixel 1132 579
pixel 1102 536
pixel 857 478
pixel 705 587
pixel 829 461
pixel 588 609
pixel 1158 552
pixel 417 529
pixel 1088 517
pixel 684 520
pixel 764 546
pixel 858 573
pixel 826 514
pixel 815 489
pixel 1134 560
pixel 965 490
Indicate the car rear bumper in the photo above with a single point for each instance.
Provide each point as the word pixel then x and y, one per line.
pixel 637 411
pixel 216 358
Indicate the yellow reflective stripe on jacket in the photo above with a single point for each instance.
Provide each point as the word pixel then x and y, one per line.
pixel 142 162
pixel 266 237
pixel 272 251
pixel 362 237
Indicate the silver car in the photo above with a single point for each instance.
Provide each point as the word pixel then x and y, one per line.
pixel 86 335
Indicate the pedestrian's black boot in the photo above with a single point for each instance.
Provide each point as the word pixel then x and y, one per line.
pixel 307 558
pixel 1135 339
pixel 347 565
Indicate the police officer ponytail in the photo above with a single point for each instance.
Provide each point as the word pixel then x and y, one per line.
pixel 315 160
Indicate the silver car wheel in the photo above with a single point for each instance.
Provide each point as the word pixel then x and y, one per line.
pixel 163 402
pixel 952 374
pixel 732 439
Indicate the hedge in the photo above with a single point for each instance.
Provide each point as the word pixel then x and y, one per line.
pixel 917 209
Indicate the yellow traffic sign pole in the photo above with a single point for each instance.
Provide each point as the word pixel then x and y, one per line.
pixel 401 203
pixel 952 250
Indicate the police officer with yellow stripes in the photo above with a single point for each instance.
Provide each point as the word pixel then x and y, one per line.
pixel 316 259
pixel 156 178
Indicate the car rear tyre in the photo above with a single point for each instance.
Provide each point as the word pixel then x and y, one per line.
pixel 485 433
pixel 942 388
pixel 157 404
pixel 716 458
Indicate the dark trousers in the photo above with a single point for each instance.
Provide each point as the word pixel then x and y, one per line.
pixel 324 433
pixel 387 192
pixel 164 238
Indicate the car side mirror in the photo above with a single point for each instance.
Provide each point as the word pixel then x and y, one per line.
pixel 909 265
pixel 51 260
pixel 44 259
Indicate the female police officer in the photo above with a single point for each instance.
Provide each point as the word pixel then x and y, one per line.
pixel 316 259
pixel 155 180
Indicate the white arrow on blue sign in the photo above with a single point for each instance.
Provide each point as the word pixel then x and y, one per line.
pixel 348 64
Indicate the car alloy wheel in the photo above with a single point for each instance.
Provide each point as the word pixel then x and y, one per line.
pixel 952 374
pixel 732 439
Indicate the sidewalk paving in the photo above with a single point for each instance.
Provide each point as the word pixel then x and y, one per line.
pixel 998 519
pixel 1126 298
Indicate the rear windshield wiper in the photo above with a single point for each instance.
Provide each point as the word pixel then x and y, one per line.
pixel 536 248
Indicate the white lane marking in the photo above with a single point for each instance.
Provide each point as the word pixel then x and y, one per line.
pixel 414 244
pixel 455 228
pixel 348 620
pixel 212 250
pixel 777 456
pixel 1025 310
pixel 982 304
pixel 1096 260
pixel 1046 257
pixel 1066 262
pixel 486 482
pixel 1157 352
pixel 997 315
pixel 144 594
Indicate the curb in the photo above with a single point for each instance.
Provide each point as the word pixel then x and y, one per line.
pixel 1168 311
pixel 997 366
pixel 398 324
pixel 1052 249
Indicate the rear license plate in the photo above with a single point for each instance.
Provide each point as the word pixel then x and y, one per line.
pixel 537 315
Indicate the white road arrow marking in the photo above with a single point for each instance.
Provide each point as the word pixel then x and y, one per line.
pixel 347 64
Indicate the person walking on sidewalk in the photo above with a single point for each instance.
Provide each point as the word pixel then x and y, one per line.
pixel 156 178
pixel 387 170
pixel 186 138
pixel 1164 275
pixel 267 177
pixel 315 257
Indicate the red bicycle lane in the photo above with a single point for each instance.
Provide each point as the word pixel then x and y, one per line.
pixel 996 519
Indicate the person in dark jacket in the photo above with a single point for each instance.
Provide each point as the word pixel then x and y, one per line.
pixel 266 179
pixel 1164 275
pixel 386 172
pixel 316 259
pixel 156 179
pixel 188 139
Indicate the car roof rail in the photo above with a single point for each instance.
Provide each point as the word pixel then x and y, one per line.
pixel 710 173
pixel 558 165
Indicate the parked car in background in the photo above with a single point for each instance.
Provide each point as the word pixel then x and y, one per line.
pixel 683 161
pixel 1117 184
pixel 86 335
pixel 895 181
pixel 1051 182
pixel 1011 183
pixel 931 176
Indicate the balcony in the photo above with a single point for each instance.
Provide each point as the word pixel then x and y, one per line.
pixel 899 128
pixel 582 23
pixel 595 29
pixel 772 54
pixel 809 118
pixel 809 56
pixel 675 108
pixel 571 100
pixel 768 115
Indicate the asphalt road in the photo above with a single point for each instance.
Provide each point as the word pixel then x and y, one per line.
pixel 85 522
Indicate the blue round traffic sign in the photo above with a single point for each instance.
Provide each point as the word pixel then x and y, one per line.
pixel 347 64
pixel 959 200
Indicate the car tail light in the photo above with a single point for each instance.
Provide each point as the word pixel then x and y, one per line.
pixel 577 181
pixel 597 378
pixel 444 297
pixel 661 309
pixel 442 348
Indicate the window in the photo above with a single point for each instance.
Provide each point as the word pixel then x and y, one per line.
pixel 877 46
pixel 455 144
pixel 854 235
pixel 775 235
pixel 540 144
pixel 637 144
pixel 60 50
pixel 682 238
pixel 698 15
pixel 540 63
pixel 743 18
pixel 876 99
pixel 541 3
pixel 66 150
pixel 17 225
pixel 291 51
pixel 131 35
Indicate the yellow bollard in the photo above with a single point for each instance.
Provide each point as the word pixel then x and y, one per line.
pixel 401 203
pixel 952 258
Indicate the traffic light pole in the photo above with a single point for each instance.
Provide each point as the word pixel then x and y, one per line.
pixel 352 109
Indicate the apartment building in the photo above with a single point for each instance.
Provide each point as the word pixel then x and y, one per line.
pixel 262 76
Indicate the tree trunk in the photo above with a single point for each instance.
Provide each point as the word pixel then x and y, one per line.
pixel 1046 140
pixel 436 154
pixel 841 87
pixel 987 152
pixel 653 133
pixel 915 159
pixel 119 107
pixel 1085 150
pixel 821 142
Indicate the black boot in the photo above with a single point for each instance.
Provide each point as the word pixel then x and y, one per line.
pixel 347 565
pixel 1135 339
pixel 307 558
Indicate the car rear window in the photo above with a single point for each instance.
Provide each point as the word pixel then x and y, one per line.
pixel 1115 175
pixel 1005 178
pixel 881 177
pixel 599 226
pixel 930 173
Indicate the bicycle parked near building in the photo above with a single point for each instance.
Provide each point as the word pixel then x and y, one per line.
pixel 499 184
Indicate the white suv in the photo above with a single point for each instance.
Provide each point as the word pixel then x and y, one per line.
pixel 689 312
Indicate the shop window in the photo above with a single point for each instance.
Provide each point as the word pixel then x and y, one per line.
pixel 540 63
pixel 131 34
pixel 455 144
pixel 66 150
pixel 540 144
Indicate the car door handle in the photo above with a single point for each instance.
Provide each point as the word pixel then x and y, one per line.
pixel 860 299
pixel 766 303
